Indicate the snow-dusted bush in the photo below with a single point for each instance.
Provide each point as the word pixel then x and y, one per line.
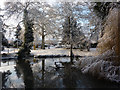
pixel 100 66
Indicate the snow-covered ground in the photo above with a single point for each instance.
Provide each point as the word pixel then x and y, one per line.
pixel 55 51
pixel 10 50
pixel 62 51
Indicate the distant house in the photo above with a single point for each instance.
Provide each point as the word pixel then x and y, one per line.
pixel 47 42
pixel 51 42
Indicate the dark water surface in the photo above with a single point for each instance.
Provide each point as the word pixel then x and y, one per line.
pixel 48 73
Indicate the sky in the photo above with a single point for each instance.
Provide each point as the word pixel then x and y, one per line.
pixel 2 3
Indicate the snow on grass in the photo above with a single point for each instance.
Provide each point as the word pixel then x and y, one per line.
pixel 10 50
pixel 100 66
pixel 62 51
pixel 6 68
pixel 54 51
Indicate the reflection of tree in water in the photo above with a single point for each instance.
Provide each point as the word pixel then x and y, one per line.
pixel 69 76
pixel 18 73
pixel 45 76
pixel 76 58
pixel 27 73
pixel 39 81
pixel 41 75
pixel 43 69
pixel 5 76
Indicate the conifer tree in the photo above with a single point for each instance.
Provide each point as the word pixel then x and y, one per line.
pixel 18 41
pixel 28 36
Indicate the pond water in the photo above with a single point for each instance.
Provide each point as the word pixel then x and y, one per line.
pixel 48 73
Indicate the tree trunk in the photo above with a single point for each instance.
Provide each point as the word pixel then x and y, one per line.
pixel 34 46
pixel 43 65
pixel 71 54
pixel 71 39
pixel 43 39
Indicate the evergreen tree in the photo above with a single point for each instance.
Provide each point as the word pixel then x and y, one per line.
pixel 4 40
pixel 2 36
pixel 18 41
pixel 28 36
pixel 101 9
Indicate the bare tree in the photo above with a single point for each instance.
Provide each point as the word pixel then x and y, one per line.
pixel 71 15
pixel 44 21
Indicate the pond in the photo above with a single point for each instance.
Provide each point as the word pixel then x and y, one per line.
pixel 48 73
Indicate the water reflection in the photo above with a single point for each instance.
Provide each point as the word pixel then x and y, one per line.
pixel 69 77
pixel 7 62
pixel 25 70
pixel 5 77
pixel 17 69
pixel 52 73
pixel 45 74
pixel 43 65
pixel 43 69
pixel 71 59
